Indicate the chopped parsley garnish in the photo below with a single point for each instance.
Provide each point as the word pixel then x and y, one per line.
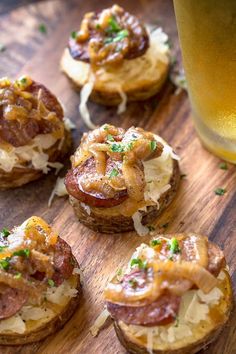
pixel 22 253
pixel 114 172
pixel 17 275
pixel 113 25
pixel 2 47
pixel 119 37
pixel 151 227
pixel 42 28
pixel 120 147
pixel 2 248
pixel 4 263
pixel 23 80
pixel 156 242
pixel 153 145
pixel 110 137
pixel 106 127
pixel 98 26
pixel 117 147
pixel 133 283
pixel 51 282
pixel 119 272
pixel 170 258
pixel 5 232
pixel 138 262
pixel 223 166
pixel 174 246
pixel 73 34
pixel 220 191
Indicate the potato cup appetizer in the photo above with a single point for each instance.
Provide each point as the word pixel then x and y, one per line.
pixel 40 282
pixel 33 138
pixel 121 180
pixel 114 59
pixel 174 297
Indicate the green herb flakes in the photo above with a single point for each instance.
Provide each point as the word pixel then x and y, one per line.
pixel 119 37
pixel 223 166
pixel 113 25
pixel 153 145
pixel 138 262
pixel 114 172
pixel 4 263
pixel 73 34
pixel 174 246
pixel 51 282
pixel 42 28
pixel 220 191
pixel 156 242
pixel 2 248
pixel 110 137
pixel 22 253
pixel 5 232
pixel 18 275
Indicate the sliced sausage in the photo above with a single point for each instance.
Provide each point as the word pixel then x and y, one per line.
pixel 105 49
pixel 160 312
pixel 98 198
pixel 63 262
pixel 20 131
pixel 11 301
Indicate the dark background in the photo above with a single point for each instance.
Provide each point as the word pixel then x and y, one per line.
pixel 7 5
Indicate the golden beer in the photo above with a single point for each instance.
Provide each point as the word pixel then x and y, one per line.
pixel 207 31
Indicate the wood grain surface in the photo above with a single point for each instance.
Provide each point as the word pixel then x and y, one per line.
pixel 196 207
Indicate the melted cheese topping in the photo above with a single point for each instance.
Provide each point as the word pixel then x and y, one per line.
pixel 195 320
pixel 33 154
pixel 30 317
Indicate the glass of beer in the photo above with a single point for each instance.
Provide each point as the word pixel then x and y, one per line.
pixel 207 32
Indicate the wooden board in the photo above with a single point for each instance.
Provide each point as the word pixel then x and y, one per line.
pixel 196 207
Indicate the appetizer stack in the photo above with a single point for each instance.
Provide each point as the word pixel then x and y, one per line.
pixel 174 297
pixel 40 282
pixel 121 180
pixel 33 138
pixel 115 59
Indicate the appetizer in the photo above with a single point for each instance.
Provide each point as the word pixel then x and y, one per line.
pixel 33 138
pixel 121 180
pixel 174 297
pixel 115 59
pixel 40 282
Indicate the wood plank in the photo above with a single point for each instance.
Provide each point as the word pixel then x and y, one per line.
pixel 195 208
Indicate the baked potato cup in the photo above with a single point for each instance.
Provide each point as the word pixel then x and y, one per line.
pixel 174 297
pixel 121 180
pixel 115 59
pixel 33 135
pixel 112 221
pixel 40 283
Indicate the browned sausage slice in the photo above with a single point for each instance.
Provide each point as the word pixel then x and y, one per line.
pixel 75 178
pixel 63 262
pixel 18 132
pixel 11 301
pixel 160 312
